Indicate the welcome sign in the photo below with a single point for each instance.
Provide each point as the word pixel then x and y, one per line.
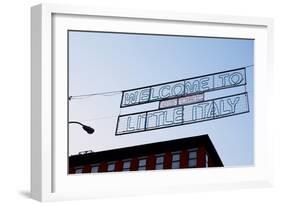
pixel 205 83
pixel 183 102
pixel 184 114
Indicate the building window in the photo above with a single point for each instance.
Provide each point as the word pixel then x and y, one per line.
pixel 78 170
pixel 159 163
pixel 142 163
pixel 192 158
pixel 206 160
pixel 126 165
pixel 95 168
pixel 176 160
pixel 111 166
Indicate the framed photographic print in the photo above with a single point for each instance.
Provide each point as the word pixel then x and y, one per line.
pixel 135 102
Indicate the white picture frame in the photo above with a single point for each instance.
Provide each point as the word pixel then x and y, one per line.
pixel 49 179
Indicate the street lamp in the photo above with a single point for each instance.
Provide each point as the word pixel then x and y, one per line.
pixel 88 129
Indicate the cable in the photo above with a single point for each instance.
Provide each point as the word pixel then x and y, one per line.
pixel 99 118
pixel 116 115
pixel 112 93
pixel 83 96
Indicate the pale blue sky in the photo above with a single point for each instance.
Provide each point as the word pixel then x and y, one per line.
pixel 102 62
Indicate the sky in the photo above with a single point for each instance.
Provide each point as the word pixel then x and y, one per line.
pixel 104 62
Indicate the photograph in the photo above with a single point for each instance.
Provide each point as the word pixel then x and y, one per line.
pixel 141 101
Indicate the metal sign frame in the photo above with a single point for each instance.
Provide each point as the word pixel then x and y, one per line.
pixel 178 99
pixel 213 88
pixel 182 123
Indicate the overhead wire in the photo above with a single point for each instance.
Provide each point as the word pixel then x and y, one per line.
pixel 112 93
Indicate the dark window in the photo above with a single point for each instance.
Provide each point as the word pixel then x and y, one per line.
pixel 126 165
pixel 95 168
pixel 111 166
pixel 176 160
pixel 78 170
pixel 159 163
pixel 192 158
pixel 206 160
pixel 142 163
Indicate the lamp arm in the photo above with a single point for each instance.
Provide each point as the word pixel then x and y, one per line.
pixel 75 122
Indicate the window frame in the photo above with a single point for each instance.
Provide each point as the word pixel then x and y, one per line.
pixel 130 164
pixel 142 166
pixel 78 168
pixel 111 163
pixel 188 157
pixel 97 165
pixel 176 161
pixel 161 163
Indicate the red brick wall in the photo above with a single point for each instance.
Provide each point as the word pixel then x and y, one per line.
pixel 201 161
pixel 119 165
pixel 151 162
pixel 134 164
pixel 168 160
pixel 103 167
pixel 87 169
pixel 183 159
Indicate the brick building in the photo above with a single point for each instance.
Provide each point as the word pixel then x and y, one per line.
pixel 190 152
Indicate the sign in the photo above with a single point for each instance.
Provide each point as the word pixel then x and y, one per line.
pixel 185 87
pixel 181 101
pixel 183 114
